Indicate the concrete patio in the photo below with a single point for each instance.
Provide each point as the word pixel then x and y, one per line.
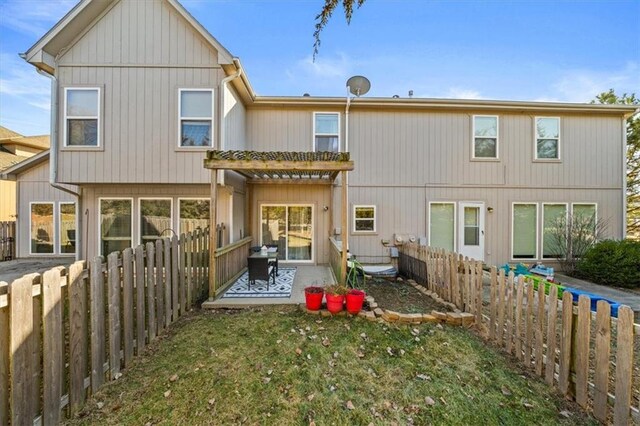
pixel 318 275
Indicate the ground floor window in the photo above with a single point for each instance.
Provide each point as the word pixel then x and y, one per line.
pixel 554 219
pixel 42 228
pixel 193 214
pixel 524 231
pixel 290 229
pixel 364 218
pixel 67 228
pixel 585 215
pixel 155 218
pixel 116 218
pixel 442 225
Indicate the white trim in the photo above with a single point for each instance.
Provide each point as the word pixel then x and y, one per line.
pixel 585 203
pixel 455 222
pixel 473 138
pixel 139 215
pixel 179 231
pixel 313 141
pixel 180 118
pixel 65 129
pixel 529 203
pixel 566 215
pixel 375 218
pixel 100 221
pixel 59 227
pixel 535 139
pixel 313 226
pixel 53 223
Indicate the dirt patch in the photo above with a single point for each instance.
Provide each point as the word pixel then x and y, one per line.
pixel 399 296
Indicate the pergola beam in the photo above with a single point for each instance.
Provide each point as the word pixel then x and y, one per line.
pixel 272 165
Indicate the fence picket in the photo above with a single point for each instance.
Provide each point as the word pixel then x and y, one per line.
pixel 189 271
pixel 509 307
pixel 182 281
pixel 166 284
pixel 551 335
pixel 127 304
pixel 159 274
pixel 78 344
pixel 566 342
pixel 175 300
pixel 501 302
pixel 152 322
pixel 582 350
pixel 113 272
pixel 52 351
pixel 603 342
pixel 540 329
pixel 493 304
pixel 97 324
pixel 4 359
pixel 478 284
pixel 624 366
pixel 23 409
pixel 528 328
pixel 140 299
pixel 518 320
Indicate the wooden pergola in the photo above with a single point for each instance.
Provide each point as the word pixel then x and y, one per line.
pixel 279 167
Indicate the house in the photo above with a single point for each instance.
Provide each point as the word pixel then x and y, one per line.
pixel 143 92
pixel 15 148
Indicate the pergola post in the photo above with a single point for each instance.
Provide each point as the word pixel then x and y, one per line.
pixel 345 229
pixel 213 234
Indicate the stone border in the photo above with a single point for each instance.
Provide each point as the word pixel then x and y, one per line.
pixel 372 312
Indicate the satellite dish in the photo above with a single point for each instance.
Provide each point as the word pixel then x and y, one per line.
pixel 358 85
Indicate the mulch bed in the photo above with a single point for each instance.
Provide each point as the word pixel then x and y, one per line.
pixel 399 296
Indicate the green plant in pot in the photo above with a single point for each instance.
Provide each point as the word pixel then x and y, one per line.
pixel 335 295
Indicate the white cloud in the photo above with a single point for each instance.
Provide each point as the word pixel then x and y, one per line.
pixel 461 93
pixel 584 85
pixel 33 17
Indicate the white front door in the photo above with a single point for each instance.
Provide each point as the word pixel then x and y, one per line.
pixel 471 230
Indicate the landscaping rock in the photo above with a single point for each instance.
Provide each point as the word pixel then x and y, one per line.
pixel 428 318
pixel 378 312
pixel 440 316
pixel 369 299
pixel 370 316
pixel 392 314
pixel 373 305
pixel 467 319
pixel 454 318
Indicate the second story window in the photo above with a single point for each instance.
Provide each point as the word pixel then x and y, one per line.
pixel 326 127
pixel 547 138
pixel 196 117
pixel 82 117
pixel 485 136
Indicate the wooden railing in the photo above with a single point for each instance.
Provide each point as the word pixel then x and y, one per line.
pixel 231 263
pixel 335 257
pixel 7 240
pixel 547 333
pixel 88 321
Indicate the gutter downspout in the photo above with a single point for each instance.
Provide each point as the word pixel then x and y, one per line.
pixel 53 158
pixel 223 85
pixel 624 177
pixel 346 149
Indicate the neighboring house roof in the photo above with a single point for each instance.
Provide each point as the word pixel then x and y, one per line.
pixel 8 133
pixel 12 171
pixel 8 159
pixel 38 142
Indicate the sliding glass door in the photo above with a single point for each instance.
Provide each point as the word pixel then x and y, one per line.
pixel 290 228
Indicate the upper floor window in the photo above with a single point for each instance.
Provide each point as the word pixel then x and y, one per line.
pixel 547 138
pixel 82 117
pixel 196 117
pixel 326 129
pixel 485 136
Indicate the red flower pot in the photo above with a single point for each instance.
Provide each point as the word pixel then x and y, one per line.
pixel 335 303
pixel 355 299
pixel 313 298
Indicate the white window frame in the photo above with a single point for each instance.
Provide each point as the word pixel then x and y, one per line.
pixel 473 138
pixel 54 242
pixel 354 220
pixel 286 210
pixel 313 142
pixel 585 203
pixel 59 227
pixel 535 138
pixel 179 232
pixel 82 117
pixel 133 218
pixel 520 259
pixel 455 222
pixel 139 215
pixel 566 215
pixel 180 118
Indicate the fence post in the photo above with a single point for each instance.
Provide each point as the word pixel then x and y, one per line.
pixel 175 299
pixel 97 324
pixel 603 344
pixel 551 335
pixel 77 295
pixel 166 282
pixel 113 272
pixel 624 366
pixel 127 304
pixel 52 350
pixel 152 321
pixel 140 299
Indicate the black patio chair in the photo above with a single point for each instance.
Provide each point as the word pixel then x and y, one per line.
pixel 260 269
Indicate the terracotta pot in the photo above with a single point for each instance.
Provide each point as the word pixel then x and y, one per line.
pixel 355 299
pixel 335 303
pixel 313 297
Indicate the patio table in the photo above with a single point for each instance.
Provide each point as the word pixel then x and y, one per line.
pixel 272 255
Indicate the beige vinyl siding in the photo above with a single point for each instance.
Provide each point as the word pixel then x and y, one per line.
pixel 316 195
pixel 235 120
pixel 33 186
pixel 7 200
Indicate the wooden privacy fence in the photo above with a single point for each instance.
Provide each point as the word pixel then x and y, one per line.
pixel 7 240
pixel 66 332
pixel 335 256
pixel 231 262
pixel 588 356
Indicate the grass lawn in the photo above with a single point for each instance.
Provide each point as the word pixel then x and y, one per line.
pixel 280 366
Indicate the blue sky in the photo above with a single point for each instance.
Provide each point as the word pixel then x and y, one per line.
pixel 517 50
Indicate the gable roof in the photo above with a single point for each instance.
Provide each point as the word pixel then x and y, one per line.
pixel 42 54
pixel 8 159
pixel 12 171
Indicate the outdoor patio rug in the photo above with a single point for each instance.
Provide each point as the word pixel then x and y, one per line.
pixel 282 287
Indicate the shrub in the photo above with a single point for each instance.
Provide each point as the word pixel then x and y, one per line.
pixel 615 263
